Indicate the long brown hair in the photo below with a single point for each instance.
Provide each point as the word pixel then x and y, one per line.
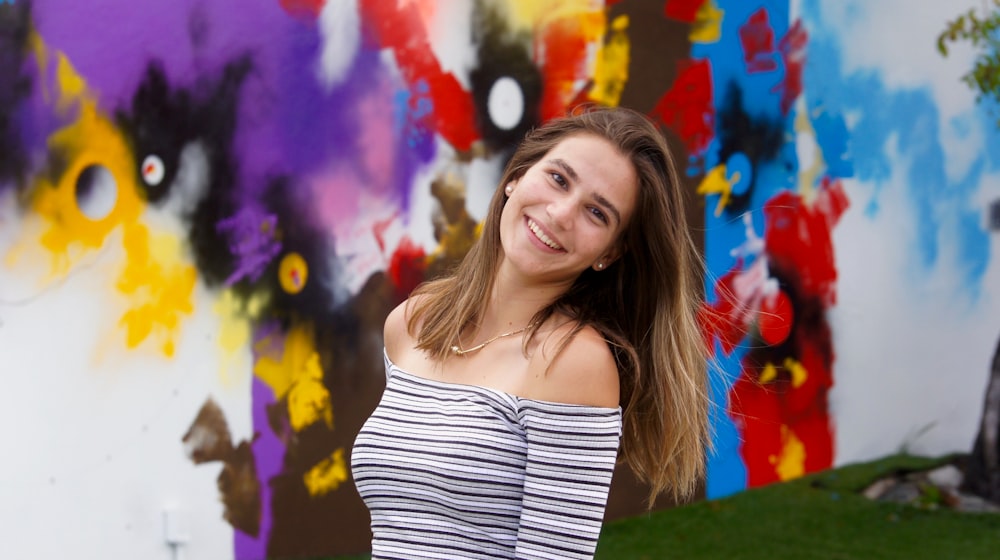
pixel 645 303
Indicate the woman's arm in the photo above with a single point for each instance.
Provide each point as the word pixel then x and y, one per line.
pixel 571 456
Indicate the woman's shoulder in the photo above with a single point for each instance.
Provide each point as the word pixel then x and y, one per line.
pixel 396 331
pixel 583 372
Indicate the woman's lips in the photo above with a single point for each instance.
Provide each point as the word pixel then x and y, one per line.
pixel 540 235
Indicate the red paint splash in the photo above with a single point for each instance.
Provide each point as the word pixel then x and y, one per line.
pixel 776 318
pixel 407 267
pixel 561 50
pixel 770 411
pixel 303 8
pixel 687 107
pixel 682 10
pixel 757 38
pixel 799 237
pixel 793 52
pixel 727 319
pixel 400 28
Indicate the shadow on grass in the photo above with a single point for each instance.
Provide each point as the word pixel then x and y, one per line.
pixel 821 516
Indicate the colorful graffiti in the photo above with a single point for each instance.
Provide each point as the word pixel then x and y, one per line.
pixel 735 105
pixel 295 167
pixel 281 156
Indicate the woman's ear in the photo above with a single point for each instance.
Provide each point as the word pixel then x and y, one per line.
pixel 608 258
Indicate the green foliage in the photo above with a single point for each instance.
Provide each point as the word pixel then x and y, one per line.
pixel 979 30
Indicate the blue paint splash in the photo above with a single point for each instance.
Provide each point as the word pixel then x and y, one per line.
pixel 905 121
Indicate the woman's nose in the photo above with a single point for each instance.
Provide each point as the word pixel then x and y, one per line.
pixel 561 211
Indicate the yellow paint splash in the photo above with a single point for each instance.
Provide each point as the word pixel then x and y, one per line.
pixel 156 280
pixel 327 475
pixel 810 172
pixel 716 182
pixel 293 273
pixel 611 72
pixel 798 371
pixel 91 141
pixel 791 463
pixel 795 369
pixel 308 399
pixel 235 326
pixel 299 376
pixel 159 285
pixel 707 27
pixel 529 14
pixel 71 84
pixel 769 374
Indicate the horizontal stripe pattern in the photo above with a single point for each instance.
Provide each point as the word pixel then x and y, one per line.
pixel 460 471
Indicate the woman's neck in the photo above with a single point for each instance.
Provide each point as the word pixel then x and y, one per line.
pixel 514 303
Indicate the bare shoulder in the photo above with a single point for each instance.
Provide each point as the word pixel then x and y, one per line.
pixel 584 372
pixel 395 332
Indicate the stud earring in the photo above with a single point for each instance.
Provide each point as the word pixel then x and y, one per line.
pixel 509 190
pixel 600 266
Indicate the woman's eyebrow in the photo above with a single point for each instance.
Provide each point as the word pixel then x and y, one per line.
pixel 606 204
pixel 601 201
pixel 567 168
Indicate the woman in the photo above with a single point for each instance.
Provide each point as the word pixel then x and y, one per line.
pixel 566 335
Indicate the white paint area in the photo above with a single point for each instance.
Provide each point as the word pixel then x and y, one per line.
pixel 153 170
pixel 96 192
pixel 340 27
pixel 912 355
pixel 505 103
pixel 913 346
pixel 92 440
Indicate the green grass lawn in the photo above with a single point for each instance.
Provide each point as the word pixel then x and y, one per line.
pixel 821 516
pixel 816 517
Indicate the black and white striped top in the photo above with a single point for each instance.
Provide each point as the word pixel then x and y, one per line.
pixel 459 471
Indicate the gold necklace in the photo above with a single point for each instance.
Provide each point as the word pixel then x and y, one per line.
pixel 458 351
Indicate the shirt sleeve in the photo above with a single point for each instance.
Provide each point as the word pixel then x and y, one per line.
pixel 572 451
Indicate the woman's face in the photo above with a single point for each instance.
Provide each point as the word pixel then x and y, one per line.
pixel 567 212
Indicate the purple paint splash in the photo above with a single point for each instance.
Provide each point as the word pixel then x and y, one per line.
pixel 252 235
pixel 269 453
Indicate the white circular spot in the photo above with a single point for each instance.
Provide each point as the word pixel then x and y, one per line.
pixel 96 192
pixel 153 170
pixel 505 103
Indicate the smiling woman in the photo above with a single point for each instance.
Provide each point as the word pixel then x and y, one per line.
pixel 574 320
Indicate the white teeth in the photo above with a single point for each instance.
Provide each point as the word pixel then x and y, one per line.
pixel 541 235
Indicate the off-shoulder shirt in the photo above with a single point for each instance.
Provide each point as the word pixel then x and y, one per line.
pixel 461 471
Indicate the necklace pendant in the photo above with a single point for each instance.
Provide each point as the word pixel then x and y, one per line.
pixel 460 352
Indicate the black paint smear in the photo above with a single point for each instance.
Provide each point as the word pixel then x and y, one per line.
pixel 160 122
pixel 217 116
pixel 760 139
pixel 210 121
pixel 298 232
pixel 502 53
pixel 15 86
pixel 809 322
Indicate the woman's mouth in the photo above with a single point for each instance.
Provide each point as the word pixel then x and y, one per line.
pixel 535 229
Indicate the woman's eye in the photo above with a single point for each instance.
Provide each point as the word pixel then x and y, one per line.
pixel 559 179
pixel 599 215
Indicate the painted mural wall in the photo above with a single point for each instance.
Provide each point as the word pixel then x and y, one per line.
pixel 208 207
